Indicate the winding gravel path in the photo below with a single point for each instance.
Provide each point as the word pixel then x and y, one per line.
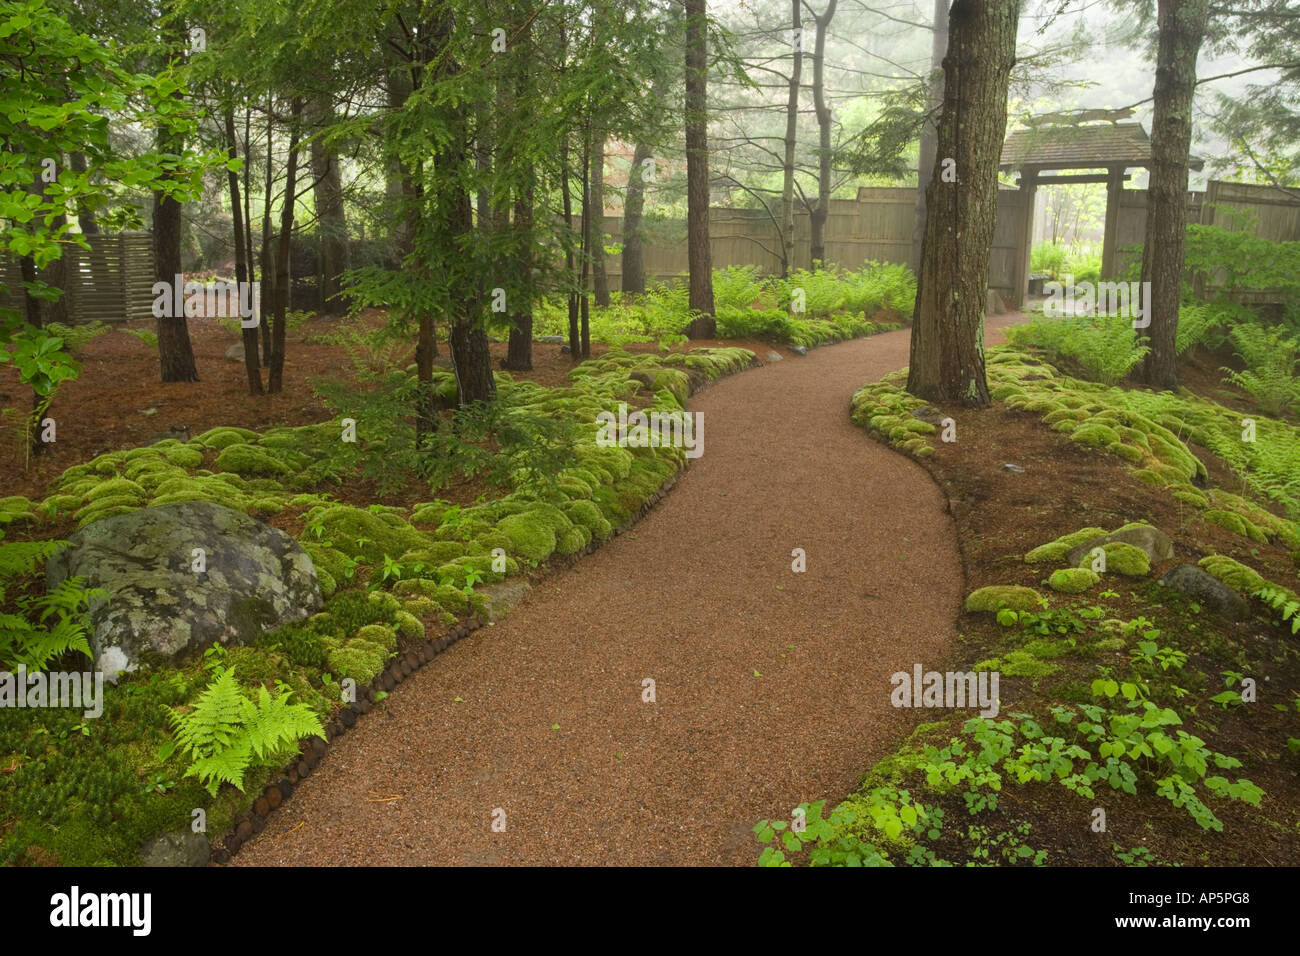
pixel 700 597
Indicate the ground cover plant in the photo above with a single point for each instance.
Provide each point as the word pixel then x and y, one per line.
pixel 210 733
pixel 808 308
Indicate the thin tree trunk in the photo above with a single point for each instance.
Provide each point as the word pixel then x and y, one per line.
pixel 820 212
pixel 584 338
pixel 791 131
pixel 1182 25
pixel 699 254
pixel 947 361
pixel 925 163
pixel 265 253
pixel 275 382
pixel 249 334
pixel 575 345
pixel 599 280
pixel 519 355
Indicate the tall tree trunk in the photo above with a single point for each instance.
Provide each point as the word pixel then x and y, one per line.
pixel 331 217
pixel 599 280
pixel 175 353
pixel 947 361
pixel 1181 25
pixel 266 253
pixel 519 351
pixel 820 212
pixel 519 355
pixel 791 130
pixel 588 226
pixel 699 254
pixel 242 276
pixel 575 344
pixel 633 255
pixel 275 382
pixel 248 193
pixel 925 163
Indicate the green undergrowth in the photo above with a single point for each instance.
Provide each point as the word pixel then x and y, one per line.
pixel 1148 431
pixel 1098 707
pixel 93 791
pixel 808 308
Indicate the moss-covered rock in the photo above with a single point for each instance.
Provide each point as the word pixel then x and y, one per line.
pixel 1072 580
pixel 358 659
pixel 1095 435
pixel 248 460
pixel 1121 558
pixel 1058 549
pixel 224 436
pixel 531 535
pixel 368 536
pixel 408 625
pixel 379 634
pixel 1236 524
pixel 1233 573
pixel 998 596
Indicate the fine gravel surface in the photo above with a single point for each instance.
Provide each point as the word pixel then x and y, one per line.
pixel 771 687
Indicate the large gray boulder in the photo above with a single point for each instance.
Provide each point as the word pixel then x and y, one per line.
pixel 158 606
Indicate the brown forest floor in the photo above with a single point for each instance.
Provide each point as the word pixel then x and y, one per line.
pixel 118 401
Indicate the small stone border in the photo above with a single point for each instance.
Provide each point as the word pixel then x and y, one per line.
pixel 312 752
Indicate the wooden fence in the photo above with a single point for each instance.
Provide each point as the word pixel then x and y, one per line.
pixel 110 282
pixel 113 281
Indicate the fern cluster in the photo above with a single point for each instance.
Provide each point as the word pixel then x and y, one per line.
pixel 226 732
pixel 1272 361
pixel 1104 349
pixel 1284 602
pixel 40 627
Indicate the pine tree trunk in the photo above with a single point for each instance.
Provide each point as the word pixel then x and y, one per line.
pixel 519 354
pixel 266 252
pixel 925 162
pixel 249 335
pixel 599 280
pixel 791 131
pixel 633 255
pixel 820 212
pixel 699 254
pixel 1182 25
pixel 947 360
pixel 175 353
pixel 275 382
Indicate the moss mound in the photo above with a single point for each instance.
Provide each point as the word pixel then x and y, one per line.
pixel 998 596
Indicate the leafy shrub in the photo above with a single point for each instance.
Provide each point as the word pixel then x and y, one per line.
pixel 1048 257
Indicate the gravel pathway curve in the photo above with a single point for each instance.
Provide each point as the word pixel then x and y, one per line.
pixel 700 597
